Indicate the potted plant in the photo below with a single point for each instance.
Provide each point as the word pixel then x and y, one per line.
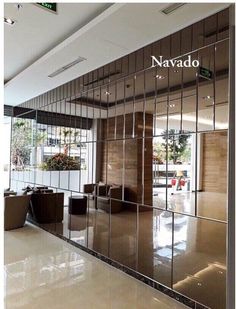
pixel 61 162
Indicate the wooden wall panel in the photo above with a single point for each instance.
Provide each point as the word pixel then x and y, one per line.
pixel 214 175
pixel 123 159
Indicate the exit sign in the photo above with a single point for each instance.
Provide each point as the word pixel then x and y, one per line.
pixel 52 7
pixel 205 73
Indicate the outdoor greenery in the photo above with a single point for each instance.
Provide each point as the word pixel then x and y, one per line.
pixel 24 137
pixel 177 145
pixel 179 150
pixel 61 162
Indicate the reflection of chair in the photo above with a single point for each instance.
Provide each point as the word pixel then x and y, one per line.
pixel 15 212
pixel 47 207
pixel 9 193
pixel 89 188
pixel 103 195
pixel 104 198
pixel 77 222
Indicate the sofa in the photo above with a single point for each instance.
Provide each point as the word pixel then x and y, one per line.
pixel 106 197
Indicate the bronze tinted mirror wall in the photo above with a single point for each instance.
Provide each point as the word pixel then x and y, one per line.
pixel 135 160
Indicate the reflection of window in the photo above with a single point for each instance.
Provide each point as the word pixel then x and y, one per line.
pixel 53 141
pixel 165 252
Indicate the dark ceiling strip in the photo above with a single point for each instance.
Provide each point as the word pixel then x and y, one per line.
pixel 160 92
pixel 55 119
pixel 223 29
pixel 101 78
pixel 8 110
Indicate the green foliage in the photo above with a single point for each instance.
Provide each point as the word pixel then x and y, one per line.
pixel 177 146
pixel 159 153
pixel 24 137
pixel 21 139
pixel 61 162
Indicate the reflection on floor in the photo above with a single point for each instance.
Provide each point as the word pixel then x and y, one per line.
pixel 43 271
pixel 209 204
pixel 144 243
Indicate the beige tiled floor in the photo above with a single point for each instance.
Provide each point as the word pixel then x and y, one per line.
pixel 44 272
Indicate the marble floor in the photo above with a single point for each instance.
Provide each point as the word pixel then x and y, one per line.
pixel 43 271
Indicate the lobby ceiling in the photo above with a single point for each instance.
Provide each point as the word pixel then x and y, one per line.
pixel 40 42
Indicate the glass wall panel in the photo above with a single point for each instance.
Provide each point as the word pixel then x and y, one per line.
pixel 123 237
pixel 221 85
pixel 174 99
pixel 7 121
pixel 181 151
pixel 98 227
pixel 159 171
pixel 198 34
pixel 199 264
pixel 189 97
pixel 155 244
pixel 206 89
pixel 212 175
pixel 186 40
pixel 130 107
pixel 78 218
pixel 210 29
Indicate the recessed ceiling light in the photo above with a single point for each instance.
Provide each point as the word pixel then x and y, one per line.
pixel 172 7
pixel 107 93
pixel 9 21
pixel 160 76
pixel 19 6
pixel 171 105
pixel 66 67
pixel 176 71
pixel 208 97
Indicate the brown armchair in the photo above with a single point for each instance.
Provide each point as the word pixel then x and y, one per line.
pixel 47 207
pixel 89 188
pixel 16 208
pixel 104 198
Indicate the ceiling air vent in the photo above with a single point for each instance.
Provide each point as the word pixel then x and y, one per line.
pixel 66 67
pixel 171 8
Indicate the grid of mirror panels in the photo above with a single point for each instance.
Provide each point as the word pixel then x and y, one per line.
pixel 150 149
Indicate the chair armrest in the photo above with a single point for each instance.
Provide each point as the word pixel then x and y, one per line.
pixel 102 190
pixel 116 193
pixel 89 188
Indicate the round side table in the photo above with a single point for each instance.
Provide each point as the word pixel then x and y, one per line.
pixel 77 205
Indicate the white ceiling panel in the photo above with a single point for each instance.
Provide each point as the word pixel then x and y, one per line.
pixel 112 33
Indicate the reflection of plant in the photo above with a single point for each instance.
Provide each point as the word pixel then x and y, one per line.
pixel 159 154
pixel 20 146
pixel 177 145
pixel 61 162
pixel 23 137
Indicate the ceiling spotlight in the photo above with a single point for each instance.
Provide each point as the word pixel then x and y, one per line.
pixel 176 71
pixel 9 21
pixel 160 76
pixel 171 105
pixel 19 6
pixel 208 97
pixel 107 93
